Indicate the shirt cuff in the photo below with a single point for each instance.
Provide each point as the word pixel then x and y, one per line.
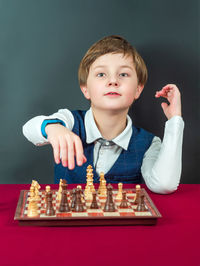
pixel 50 121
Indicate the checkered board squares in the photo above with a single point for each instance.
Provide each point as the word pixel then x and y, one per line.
pixel 130 211
pixel 91 217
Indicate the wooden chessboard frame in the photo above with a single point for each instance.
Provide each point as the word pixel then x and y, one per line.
pixel 85 220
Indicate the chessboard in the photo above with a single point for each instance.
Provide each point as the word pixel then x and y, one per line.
pixel 130 215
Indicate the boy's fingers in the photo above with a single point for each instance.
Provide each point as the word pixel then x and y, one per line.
pixel 56 151
pixel 70 153
pixel 168 91
pixel 163 93
pixel 64 152
pixel 79 151
pixel 164 106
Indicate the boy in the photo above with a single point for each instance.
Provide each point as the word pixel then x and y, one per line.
pixel 112 76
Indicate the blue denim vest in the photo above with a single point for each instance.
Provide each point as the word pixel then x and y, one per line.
pixel 126 169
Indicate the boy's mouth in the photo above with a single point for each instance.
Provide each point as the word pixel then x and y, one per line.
pixel 112 93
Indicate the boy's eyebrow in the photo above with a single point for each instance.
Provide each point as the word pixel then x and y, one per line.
pixel 126 66
pixel 123 66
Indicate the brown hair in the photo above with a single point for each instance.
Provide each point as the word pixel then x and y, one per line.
pixel 111 44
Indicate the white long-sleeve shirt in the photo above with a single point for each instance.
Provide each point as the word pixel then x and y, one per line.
pixel 161 166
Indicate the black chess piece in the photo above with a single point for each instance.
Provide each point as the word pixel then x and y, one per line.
pixel 49 205
pixel 73 198
pixel 64 205
pixel 124 202
pixel 109 205
pixel 94 204
pixel 78 202
pixel 141 205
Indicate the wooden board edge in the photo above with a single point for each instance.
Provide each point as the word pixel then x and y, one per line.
pixel 87 222
pixel 158 214
pixel 19 205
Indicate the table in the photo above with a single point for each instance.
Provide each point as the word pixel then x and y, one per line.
pixel 174 240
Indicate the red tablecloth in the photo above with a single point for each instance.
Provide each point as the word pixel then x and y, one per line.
pixel 174 240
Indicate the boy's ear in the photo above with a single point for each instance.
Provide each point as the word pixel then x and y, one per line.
pixel 85 92
pixel 139 90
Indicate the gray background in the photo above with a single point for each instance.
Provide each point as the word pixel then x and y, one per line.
pixel 41 45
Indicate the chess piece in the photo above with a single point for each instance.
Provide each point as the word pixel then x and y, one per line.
pixel 137 196
pixel 102 191
pixel 78 203
pixel 119 194
pixel 59 190
pixel 109 205
pixel 64 205
pixel 94 204
pixel 32 208
pixel 89 188
pixel 73 198
pixel 31 193
pixel 124 202
pixel 47 189
pixel 141 205
pixel 49 204
pixel 36 186
pixel 81 192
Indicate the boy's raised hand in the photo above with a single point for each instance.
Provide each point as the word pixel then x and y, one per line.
pixel 66 145
pixel 172 94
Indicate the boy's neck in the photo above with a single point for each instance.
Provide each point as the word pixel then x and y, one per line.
pixel 110 124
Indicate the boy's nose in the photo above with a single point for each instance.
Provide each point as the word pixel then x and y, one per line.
pixel 113 83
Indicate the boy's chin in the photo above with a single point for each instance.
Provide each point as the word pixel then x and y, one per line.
pixel 111 109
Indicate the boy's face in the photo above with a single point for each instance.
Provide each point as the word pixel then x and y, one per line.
pixel 112 83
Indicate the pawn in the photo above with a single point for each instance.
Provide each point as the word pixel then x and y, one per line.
pixel 124 202
pixel 94 204
pixel 103 189
pixel 119 194
pixel 109 205
pixel 141 205
pixel 101 179
pixel 78 203
pixel 49 204
pixel 59 190
pixel 47 189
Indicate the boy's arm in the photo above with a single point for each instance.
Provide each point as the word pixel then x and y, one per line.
pixel 34 129
pixel 56 130
pixel 161 167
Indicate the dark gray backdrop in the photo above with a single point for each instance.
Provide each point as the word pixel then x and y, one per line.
pixel 41 44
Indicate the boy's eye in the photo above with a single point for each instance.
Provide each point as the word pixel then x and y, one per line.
pixel 100 74
pixel 124 75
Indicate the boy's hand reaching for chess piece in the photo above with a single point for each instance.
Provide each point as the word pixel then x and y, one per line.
pixel 66 145
pixel 172 94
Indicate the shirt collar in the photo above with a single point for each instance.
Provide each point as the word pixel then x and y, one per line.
pixel 93 133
